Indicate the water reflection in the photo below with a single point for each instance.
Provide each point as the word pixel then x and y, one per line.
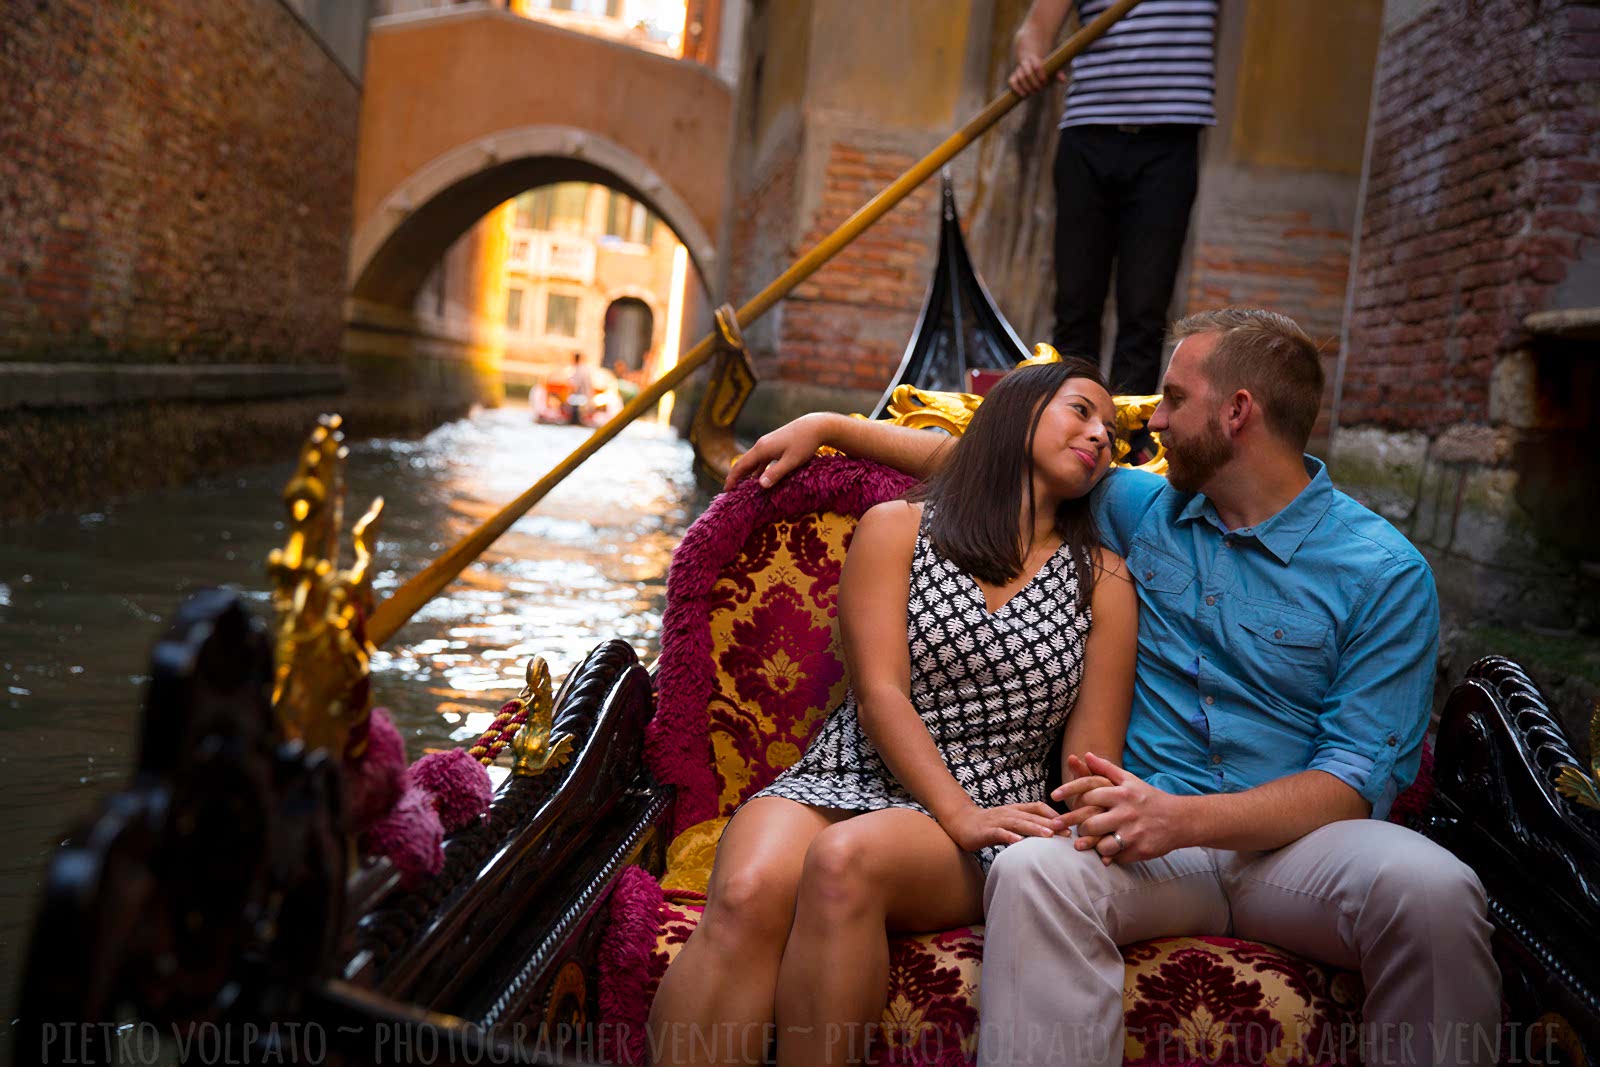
pixel 82 598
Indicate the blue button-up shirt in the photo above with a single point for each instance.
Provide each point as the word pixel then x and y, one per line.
pixel 1307 642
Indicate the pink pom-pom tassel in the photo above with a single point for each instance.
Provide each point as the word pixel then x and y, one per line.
pixel 373 784
pixel 411 836
pixel 459 784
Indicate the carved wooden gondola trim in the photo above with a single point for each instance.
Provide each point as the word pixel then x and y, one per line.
pixel 521 986
pixel 216 874
pixel 1499 757
pixel 415 943
pixel 1511 922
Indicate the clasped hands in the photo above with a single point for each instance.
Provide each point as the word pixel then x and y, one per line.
pixel 1104 799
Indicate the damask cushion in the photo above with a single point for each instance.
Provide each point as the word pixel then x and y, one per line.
pixel 750 660
pixel 779 663
pixel 690 856
pixel 1186 1000
pixel 1219 1000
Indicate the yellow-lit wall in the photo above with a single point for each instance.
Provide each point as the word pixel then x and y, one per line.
pixel 621 271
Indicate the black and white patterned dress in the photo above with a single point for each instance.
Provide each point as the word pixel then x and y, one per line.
pixel 992 689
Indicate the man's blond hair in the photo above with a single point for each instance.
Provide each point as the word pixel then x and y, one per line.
pixel 1269 355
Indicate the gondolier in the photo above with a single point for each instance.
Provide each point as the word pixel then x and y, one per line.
pixel 1126 168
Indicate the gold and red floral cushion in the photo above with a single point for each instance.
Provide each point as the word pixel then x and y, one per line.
pixel 1211 1000
pixel 1222 1000
pixel 751 661
pixel 775 639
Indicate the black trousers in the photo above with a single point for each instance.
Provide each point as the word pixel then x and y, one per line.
pixel 1123 196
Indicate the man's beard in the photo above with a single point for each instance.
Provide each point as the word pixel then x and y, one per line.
pixel 1191 462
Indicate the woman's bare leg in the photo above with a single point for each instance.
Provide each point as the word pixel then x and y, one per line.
pixel 715 1002
pixel 883 870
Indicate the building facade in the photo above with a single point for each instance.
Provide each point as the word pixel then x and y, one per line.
pixel 589 271
pixel 1467 391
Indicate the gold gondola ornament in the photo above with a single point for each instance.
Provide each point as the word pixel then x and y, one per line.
pixel 951 412
pixel 534 747
pixel 1572 782
pixel 321 691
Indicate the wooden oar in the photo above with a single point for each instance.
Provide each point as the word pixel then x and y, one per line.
pixel 394 612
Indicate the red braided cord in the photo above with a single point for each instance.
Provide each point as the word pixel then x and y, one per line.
pixel 500 732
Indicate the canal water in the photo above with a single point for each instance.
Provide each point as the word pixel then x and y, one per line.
pixel 83 597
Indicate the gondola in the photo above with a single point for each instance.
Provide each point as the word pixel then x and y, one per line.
pixel 960 330
pixel 277 883
pixel 220 896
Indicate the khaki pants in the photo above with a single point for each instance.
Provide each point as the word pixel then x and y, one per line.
pixel 1361 895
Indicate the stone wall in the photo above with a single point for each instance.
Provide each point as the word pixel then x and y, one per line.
pixel 819 135
pixel 178 177
pixel 1483 192
pixel 1467 407
pixel 175 192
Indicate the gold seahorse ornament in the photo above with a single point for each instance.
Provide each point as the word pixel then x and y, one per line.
pixel 533 747
pixel 1572 782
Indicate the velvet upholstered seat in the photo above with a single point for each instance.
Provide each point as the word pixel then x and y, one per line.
pixel 750 666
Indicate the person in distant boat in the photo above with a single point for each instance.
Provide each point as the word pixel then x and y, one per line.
pixel 627 380
pixel 1126 168
pixel 1287 647
pixel 976 615
pixel 580 390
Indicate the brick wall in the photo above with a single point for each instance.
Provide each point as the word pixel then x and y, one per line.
pixel 1279 259
pixel 848 324
pixel 175 183
pixel 762 241
pixel 845 327
pixel 1257 247
pixel 1483 193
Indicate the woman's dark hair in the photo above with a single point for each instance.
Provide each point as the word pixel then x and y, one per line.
pixel 986 484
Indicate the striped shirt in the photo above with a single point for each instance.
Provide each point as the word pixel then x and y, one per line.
pixel 1156 65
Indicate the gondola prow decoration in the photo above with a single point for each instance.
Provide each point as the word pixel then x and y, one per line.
pixel 321 689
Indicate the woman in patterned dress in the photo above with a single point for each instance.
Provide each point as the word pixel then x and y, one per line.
pixel 966 616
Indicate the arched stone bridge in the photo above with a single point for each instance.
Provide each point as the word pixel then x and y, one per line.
pixel 463 109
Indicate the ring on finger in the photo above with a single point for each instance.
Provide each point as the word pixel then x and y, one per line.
pixel 1121 844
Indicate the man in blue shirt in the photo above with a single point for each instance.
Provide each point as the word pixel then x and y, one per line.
pixel 1286 659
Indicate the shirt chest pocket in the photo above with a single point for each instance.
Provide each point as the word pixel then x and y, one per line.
pixel 1157 571
pixel 1276 633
